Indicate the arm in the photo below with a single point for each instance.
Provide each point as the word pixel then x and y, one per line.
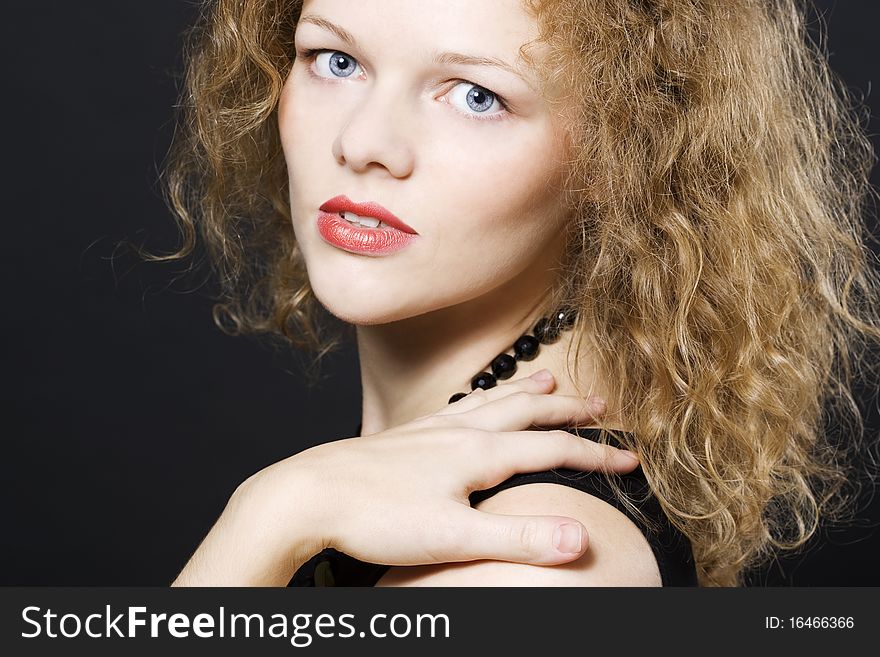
pixel 618 553
pixel 247 546
pixel 341 493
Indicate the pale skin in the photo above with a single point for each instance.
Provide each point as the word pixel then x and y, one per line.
pixel 483 191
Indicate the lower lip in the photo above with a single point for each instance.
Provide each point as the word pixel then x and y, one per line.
pixel 359 239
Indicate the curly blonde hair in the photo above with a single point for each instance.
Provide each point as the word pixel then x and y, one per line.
pixel 716 255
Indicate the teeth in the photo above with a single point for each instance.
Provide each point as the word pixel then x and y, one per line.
pixel 369 222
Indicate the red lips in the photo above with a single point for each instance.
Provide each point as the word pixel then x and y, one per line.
pixel 342 203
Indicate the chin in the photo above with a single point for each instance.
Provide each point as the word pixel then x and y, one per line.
pixel 361 304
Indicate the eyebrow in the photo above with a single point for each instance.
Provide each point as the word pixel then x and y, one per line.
pixel 439 58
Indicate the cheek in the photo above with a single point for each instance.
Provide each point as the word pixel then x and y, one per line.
pixel 292 121
pixel 497 216
pixel 285 109
pixel 501 189
pixel 303 139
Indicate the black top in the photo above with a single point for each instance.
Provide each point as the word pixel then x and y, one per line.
pixel 671 548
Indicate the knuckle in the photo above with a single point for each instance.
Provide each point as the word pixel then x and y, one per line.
pixel 438 420
pixel 482 443
pixel 604 454
pixel 527 535
pixel 475 443
pixel 610 454
pixel 452 433
pixel 476 435
pixel 565 440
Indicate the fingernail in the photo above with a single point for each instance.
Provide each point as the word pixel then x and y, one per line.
pixel 568 538
pixel 542 375
pixel 598 404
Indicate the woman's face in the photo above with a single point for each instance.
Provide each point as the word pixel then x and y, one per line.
pixel 387 118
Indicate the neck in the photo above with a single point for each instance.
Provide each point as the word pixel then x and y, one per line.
pixel 410 368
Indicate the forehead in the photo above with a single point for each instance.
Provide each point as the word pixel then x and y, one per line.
pixel 491 29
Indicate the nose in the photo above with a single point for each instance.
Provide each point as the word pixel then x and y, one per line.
pixel 376 134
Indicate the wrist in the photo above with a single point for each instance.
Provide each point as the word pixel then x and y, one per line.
pixel 279 509
pixel 265 533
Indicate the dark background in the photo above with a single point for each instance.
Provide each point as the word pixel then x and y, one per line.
pixel 129 418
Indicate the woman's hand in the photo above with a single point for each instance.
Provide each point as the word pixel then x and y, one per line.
pixel 400 496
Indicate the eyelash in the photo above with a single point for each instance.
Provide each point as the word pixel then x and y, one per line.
pixel 310 54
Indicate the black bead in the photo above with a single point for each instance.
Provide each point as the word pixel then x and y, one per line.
pixel 503 366
pixel 483 380
pixel 526 347
pixel 566 317
pixel 456 397
pixel 547 330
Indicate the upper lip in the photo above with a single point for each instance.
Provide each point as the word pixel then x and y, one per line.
pixel 342 203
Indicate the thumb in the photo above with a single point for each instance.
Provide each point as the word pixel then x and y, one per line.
pixel 537 540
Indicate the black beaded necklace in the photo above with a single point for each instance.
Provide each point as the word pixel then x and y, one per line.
pixel 547 331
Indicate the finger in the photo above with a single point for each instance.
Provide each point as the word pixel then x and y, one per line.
pixel 539 382
pixel 534 384
pixel 537 540
pixel 521 410
pixel 514 452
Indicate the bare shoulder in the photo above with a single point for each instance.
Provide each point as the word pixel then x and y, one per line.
pixel 618 553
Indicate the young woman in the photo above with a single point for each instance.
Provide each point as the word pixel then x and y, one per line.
pixel 658 201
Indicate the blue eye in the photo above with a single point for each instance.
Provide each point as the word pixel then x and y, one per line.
pixel 341 65
pixel 483 99
pixel 478 99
